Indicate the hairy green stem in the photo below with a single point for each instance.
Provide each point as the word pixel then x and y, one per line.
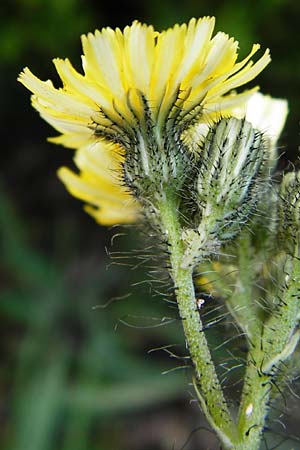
pixel 268 351
pixel 208 387
pixel 240 303
pixel 255 400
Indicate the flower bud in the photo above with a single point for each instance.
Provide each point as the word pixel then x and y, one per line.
pixel 229 181
pixel 156 159
pixel 228 186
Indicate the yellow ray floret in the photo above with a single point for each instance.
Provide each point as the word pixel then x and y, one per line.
pixel 127 75
pixel 185 57
pixel 99 184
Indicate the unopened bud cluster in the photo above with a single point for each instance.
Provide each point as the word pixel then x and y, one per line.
pixel 217 188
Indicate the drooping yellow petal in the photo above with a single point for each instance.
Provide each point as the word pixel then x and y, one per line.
pixel 98 184
pixel 108 215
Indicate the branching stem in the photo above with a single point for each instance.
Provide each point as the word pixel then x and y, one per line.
pixel 209 389
pixel 246 435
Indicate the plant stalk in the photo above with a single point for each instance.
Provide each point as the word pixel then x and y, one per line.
pixel 255 400
pixel 208 386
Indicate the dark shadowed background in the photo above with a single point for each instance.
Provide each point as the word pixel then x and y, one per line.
pixel 76 377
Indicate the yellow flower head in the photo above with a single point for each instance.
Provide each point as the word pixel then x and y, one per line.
pixel 136 83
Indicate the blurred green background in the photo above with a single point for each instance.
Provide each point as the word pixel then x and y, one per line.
pixel 74 376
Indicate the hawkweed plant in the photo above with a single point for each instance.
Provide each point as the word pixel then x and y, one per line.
pixel 161 136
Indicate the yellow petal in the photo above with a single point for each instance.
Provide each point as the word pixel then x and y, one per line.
pixel 139 45
pixel 98 182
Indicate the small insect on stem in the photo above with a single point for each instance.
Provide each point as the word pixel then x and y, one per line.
pixel 200 302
